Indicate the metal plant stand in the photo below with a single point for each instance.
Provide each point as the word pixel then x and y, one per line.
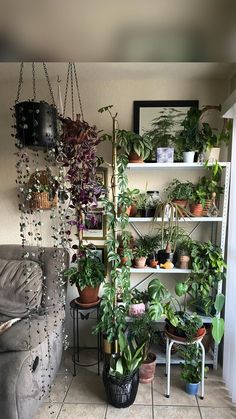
pixel 79 313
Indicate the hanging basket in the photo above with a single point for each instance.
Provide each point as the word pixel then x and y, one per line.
pixel 36 124
pixel 43 200
pixel 40 200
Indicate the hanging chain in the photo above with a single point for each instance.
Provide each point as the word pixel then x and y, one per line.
pixel 49 84
pixel 34 84
pixel 72 92
pixel 20 82
pixel 78 91
pixel 66 89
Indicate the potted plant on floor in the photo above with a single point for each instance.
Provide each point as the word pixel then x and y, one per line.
pixel 191 368
pixel 87 276
pixel 135 147
pixel 143 331
pixel 121 377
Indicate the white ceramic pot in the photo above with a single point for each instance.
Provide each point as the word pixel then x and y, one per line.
pixel 188 156
pixel 212 154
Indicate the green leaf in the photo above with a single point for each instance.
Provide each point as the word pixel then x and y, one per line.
pixel 155 310
pixel 219 302
pixel 119 366
pixel 122 341
pixel 217 329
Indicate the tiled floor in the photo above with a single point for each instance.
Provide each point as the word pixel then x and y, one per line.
pixel 83 397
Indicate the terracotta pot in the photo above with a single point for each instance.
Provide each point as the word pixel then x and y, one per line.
pixel 136 309
pixel 181 204
pixel 135 158
pixel 133 210
pixel 183 262
pixel 147 369
pixel 153 263
pixel 207 339
pixel 88 295
pixel 171 333
pixel 196 210
pixel 140 262
pixel 127 211
pixel 124 260
pixel 208 205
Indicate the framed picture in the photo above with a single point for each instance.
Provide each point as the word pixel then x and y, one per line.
pixel 145 111
pixel 101 253
pixel 95 224
pixel 102 174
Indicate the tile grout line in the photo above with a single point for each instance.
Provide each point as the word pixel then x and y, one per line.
pixel 62 404
pixel 152 400
pixel 199 409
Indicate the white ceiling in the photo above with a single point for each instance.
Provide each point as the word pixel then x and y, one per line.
pixel 116 71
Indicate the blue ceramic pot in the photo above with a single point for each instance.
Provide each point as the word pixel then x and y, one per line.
pixel 192 388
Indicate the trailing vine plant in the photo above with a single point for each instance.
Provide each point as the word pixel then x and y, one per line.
pixel 112 317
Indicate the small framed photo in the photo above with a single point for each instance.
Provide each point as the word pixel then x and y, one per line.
pixel 95 225
pixel 101 253
pixel 101 175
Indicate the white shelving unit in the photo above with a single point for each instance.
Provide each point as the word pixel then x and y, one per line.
pixel 213 357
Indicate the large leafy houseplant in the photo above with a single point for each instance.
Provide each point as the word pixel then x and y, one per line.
pixel 135 147
pixel 88 273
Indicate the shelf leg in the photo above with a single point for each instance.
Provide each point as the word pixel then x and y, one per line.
pixel 168 360
pixel 203 371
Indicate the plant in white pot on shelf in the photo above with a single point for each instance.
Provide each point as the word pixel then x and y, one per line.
pixel 214 141
pixel 188 138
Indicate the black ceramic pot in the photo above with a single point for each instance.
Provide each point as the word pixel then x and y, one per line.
pixel 36 124
pixel 162 256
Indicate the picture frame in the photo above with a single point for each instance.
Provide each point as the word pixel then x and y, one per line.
pixel 102 175
pixel 97 230
pixel 144 111
pixel 101 252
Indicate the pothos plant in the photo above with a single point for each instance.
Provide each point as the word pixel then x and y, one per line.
pixel 112 319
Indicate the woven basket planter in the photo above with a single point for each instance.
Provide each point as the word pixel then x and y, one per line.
pixel 40 200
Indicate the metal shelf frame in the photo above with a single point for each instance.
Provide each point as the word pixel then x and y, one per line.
pixel 220 221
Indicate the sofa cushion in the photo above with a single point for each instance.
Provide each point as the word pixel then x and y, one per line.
pixel 29 332
pixel 20 287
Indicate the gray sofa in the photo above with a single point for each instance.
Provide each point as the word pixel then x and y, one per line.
pixel 30 351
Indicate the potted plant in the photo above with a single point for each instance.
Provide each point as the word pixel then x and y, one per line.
pixel 143 331
pixel 212 185
pixel 198 198
pixel 179 193
pixel 161 135
pixel 41 190
pixel 191 369
pixel 141 202
pixel 141 252
pixel 215 140
pixel 126 200
pixel 136 148
pixel 137 303
pixel 188 138
pixel 87 276
pixel 121 377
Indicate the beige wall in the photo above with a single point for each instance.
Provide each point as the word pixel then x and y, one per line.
pixel 95 94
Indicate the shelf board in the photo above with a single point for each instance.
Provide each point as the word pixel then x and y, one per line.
pixel 175 358
pixel 172 165
pixel 184 219
pixel 158 271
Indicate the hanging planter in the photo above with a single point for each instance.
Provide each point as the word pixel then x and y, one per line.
pixel 41 190
pixel 36 121
pixel 36 124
